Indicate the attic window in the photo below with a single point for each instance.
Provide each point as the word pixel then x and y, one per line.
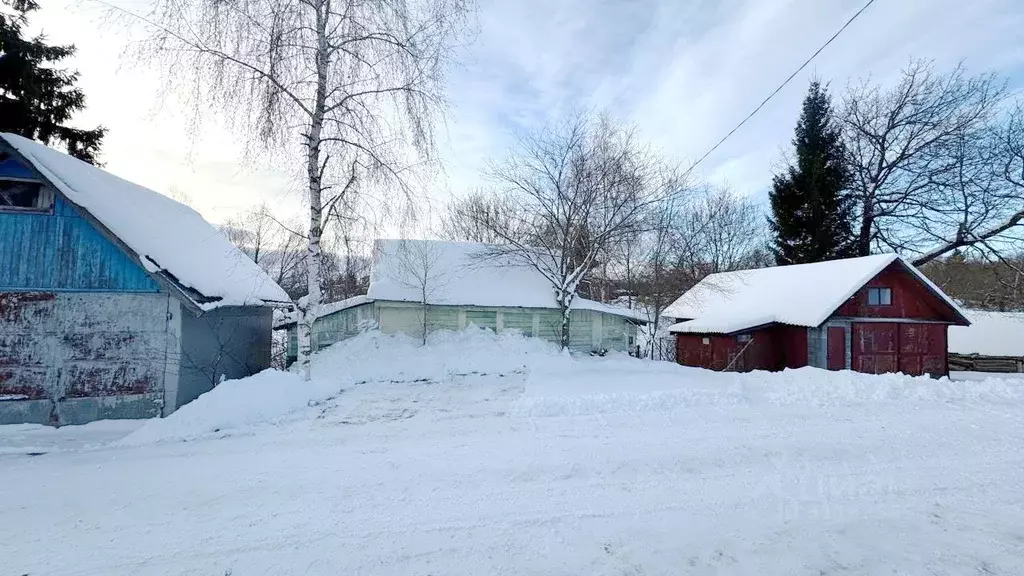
pixel 24 195
pixel 879 297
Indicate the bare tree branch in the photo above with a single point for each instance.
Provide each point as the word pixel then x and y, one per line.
pixel 354 88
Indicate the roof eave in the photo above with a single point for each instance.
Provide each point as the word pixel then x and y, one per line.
pixel 737 331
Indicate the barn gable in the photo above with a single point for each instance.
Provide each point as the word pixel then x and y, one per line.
pixel 910 299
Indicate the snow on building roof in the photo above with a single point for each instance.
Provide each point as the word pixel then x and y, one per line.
pixel 460 274
pixel 799 295
pixel 287 319
pixel 167 237
pixel 990 334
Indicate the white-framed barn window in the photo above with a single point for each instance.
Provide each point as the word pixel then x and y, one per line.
pixel 879 296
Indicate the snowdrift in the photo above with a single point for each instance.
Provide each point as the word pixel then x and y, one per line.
pixel 233 404
pixel 553 383
pixel 611 387
pixel 272 395
pixel 375 357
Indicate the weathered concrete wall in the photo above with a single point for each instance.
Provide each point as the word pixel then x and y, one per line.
pixel 225 343
pixel 70 358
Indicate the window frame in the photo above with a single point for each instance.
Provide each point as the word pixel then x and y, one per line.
pixel 492 316
pixel 44 192
pixel 876 293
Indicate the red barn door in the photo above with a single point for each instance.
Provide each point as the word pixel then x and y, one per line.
pixel 910 348
pixel 875 347
pixel 923 349
pixel 836 348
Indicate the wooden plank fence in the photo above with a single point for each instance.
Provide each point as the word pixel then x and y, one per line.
pixel 980 363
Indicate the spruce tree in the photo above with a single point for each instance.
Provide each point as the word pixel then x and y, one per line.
pixel 36 98
pixel 811 211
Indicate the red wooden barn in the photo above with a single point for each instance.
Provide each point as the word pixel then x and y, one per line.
pixel 872 314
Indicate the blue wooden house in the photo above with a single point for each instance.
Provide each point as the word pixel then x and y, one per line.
pixel 115 301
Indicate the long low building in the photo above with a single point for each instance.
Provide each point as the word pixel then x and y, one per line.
pixel 428 285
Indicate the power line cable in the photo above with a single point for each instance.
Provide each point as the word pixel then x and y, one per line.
pixel 781 86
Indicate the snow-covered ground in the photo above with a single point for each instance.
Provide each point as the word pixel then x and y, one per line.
pixel 990 334
pixel 492 454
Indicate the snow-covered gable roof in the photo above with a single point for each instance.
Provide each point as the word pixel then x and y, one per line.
pixel 287 319
pixel 169 238
pixel 459 274
pixel 798 295
pixel 990 334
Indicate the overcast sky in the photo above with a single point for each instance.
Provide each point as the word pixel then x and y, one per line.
pixel 684 71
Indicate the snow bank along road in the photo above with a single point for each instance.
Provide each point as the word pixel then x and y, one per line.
pixel 495 455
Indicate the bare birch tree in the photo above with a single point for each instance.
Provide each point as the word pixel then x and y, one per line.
pixel 351 87
pixel 418 266
pixel 572 192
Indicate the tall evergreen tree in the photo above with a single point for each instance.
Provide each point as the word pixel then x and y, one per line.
pixel 811 211
pixel 36 98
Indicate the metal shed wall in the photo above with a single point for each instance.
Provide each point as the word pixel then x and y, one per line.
pixel 222 344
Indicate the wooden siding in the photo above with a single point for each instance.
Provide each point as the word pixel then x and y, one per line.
pixel 910 299
pixel 981 363
pixel 771 348
pixel 12 168
pixel 910 348
pixel 518 320
pixel 335 327
pixel 480 318
pixel 62 252
pixel 792 345
pixel 588 330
